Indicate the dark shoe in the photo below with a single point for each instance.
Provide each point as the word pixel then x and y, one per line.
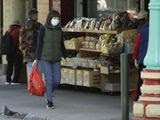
pixel 50 105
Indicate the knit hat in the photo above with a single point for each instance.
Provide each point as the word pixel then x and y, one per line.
pixel 142 14
pixel 32 12
pixel 16 22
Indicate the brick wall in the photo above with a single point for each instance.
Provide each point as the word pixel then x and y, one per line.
pixel 43 8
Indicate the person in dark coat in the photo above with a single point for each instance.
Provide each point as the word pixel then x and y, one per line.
pixel 140 50
pixel 14 54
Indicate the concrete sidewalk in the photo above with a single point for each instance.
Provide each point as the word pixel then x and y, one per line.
pixel 70 104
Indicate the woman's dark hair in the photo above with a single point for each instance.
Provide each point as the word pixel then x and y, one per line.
pixel 52 14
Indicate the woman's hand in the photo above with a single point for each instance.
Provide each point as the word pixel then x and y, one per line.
pixel 136 64
pixel 65 59
pixel 35 62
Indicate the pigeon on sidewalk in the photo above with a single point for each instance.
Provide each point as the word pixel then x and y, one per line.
pixel 8 112
pixel 13 114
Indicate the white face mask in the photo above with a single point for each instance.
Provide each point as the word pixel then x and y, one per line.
pixel 55 22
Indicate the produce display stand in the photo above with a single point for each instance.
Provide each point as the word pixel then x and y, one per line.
pixel 105 78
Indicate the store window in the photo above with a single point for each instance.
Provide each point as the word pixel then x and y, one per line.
pixel 106 7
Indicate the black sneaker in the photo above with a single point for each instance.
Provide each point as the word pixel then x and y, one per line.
pixel 50 105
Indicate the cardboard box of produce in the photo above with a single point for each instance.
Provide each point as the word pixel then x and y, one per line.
pixel 92 63
pixel 104 70
pixel 113 87
pixel 74 43
pixel 84 62
pixel 68 76
pixel 91 78
pixel 71 77
pixel 79 77
pixel 63 74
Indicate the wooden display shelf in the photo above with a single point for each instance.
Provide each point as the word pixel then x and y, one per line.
pixel 80 67
pixel 84 49
pixel 98 69
pixel 89 31
pixel 89 50
pixel 72 49
pixel 110 55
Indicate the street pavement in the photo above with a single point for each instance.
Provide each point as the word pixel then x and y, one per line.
pixel 70 104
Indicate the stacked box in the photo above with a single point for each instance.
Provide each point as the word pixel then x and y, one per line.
pixel 68 76
pixel 76 61
pixel 71 77
pixel 64 75
pixel 69 62
pixel 74 43
pixel 92 63
pixel 91 78
pixel 84 62
pixel 110 82
pixel 114 87
pixel 104 70
pixel 79 77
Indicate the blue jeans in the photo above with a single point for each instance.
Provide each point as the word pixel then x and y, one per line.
pixel 52 76
pixel 29 69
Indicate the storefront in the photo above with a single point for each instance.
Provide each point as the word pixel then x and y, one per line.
pixel 89 35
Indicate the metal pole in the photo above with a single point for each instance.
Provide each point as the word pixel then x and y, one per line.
pixel 1 19
pixel 124 87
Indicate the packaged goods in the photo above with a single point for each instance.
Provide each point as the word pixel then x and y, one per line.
pixel 114 87
pixel 92 24
pixel 69 62
pixel 91 78
pixel 67 25
pixel 74 43
pixel 79 77
pixel 71 77
pixel 64 76
pixel 76 61
pixel 92 45
pixel 117 20
pixel 98 23
pixel 84 62
pixel 93 62
pixel 68 76
pixel 104 70
pixel 128 35
pixel 90 42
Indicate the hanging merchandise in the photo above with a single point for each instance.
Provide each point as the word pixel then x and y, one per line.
pixel 110 45
pixel 117 20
